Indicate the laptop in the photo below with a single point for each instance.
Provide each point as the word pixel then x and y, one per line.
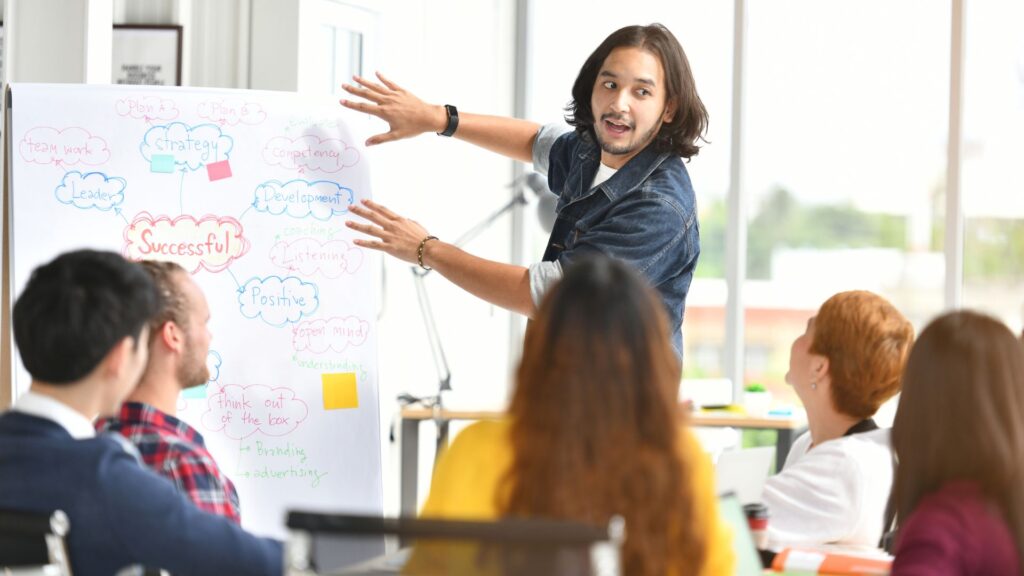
pixel 744 472
pixel 748 560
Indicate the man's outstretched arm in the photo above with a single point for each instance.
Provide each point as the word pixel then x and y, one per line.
pixel 408 116
pixel 504 285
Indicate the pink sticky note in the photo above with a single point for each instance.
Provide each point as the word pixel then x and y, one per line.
pixel 218 170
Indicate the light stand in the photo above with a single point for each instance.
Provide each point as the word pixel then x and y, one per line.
pixel 538 185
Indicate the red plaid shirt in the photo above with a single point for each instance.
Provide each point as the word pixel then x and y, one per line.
pixel 176 451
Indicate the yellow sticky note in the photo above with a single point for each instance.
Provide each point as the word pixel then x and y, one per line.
pixel 340 391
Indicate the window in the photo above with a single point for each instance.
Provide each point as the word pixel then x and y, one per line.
pixel 343 50
pixel 991 181
pixel 844 163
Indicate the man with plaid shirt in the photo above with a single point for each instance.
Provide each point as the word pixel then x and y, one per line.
pixel 179 343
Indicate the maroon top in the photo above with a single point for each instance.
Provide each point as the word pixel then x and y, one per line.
pixel 956 530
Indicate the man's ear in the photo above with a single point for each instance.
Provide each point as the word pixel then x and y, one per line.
pixel 669 114
pixel 170 335
pixel 118 358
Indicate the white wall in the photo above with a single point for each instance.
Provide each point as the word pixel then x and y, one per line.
pixel 448 186
pixel 56 41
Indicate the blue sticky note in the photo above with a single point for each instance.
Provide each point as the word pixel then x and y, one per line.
pixel 162 163
pixel 194 393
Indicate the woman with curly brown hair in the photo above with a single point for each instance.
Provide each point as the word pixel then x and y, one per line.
pixel 959 439
pixel 594 431
pixel 835 483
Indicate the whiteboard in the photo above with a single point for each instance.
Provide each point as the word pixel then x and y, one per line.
pixel 248 191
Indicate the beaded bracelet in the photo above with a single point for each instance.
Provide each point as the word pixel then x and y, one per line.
pixel 419 251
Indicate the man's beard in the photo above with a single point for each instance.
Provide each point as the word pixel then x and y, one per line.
pixel 193 372
pixel 629 147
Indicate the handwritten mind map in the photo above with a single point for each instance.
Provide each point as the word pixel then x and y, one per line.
pixel 92 190
pixel 322 199
pixel 231 112
pixel 148 108
pixel 310 153
pixel 211 242
pixel 247 191
pixel 68 146
pixel 310 256
pixel 188 147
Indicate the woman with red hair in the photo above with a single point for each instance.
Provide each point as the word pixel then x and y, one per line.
pixel 836 480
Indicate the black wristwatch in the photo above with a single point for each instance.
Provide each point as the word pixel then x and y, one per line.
pixel 453 120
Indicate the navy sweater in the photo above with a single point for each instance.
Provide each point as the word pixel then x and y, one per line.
pixel 121 513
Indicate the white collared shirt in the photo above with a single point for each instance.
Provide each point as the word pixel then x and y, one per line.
pixel 39 405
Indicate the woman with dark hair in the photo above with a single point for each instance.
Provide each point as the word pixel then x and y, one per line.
pixel 836 480
pixel 594 431
pixel 959 439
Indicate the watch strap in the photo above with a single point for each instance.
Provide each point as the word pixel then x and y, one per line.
pixel 453 120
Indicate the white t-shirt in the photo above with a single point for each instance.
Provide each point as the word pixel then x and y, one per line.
pixel 835 493
pixel 603 174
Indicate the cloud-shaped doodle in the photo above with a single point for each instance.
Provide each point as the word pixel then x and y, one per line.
pixel 278 301
pixel 301 198
pixel 45 145
pixel 211 242
pixel 192 146
pixel 91 190
pixel 231 112
pixel 147 108
pixel 241 411
pixel 309 256
pixel 337 334
pixel 310 152
pixel 213 362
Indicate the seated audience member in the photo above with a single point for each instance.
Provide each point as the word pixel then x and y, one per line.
pixel 178 345
pixel 835 483
pixel 80 326
pixel 959 439
pixel 594 431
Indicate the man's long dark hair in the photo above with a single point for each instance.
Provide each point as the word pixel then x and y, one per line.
pixel 691 117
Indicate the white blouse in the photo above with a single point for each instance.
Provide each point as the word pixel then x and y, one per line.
pixel 835 493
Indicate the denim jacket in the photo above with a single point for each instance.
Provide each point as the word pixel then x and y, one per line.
pixel 645 214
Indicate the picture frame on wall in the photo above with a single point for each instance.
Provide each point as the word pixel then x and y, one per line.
pixel 3 57
pixel 147 54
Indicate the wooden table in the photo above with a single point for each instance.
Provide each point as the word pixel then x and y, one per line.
pixel 787 428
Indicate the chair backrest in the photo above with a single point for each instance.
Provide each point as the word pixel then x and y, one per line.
pixel 501 547
pixel 33 542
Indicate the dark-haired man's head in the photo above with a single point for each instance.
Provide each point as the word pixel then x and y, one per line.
pixel 636 89
pixel 82 316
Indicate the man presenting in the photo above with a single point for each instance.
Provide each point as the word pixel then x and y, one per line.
pixel 179 342
pixel 81 327
pixel 623 188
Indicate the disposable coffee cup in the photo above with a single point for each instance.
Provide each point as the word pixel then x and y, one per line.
pixel 757 518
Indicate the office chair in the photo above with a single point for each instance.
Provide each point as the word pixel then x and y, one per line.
pixel 33 543
pixel 453 547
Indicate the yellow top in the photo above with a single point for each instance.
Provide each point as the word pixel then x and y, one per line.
pixel 468 475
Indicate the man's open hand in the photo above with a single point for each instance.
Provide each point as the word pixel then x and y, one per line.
pixel 398 236
pixel 406 115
